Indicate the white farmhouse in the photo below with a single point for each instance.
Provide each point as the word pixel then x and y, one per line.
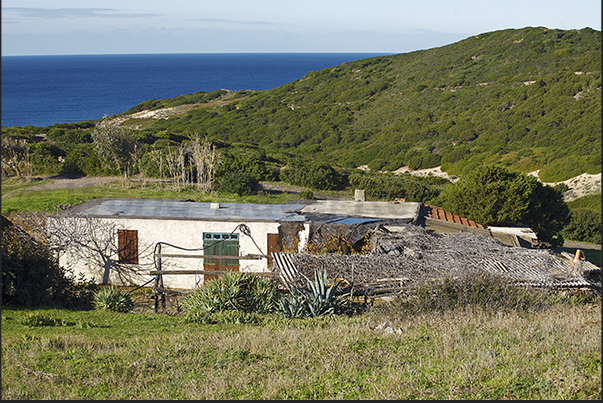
pixel 122 241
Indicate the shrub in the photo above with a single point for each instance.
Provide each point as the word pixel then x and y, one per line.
pixel 306 195
pixel 387 187
pixel 113 299
pixel 584 226
pixel 82 160
pixel 488 292
pixel 377 164
pixel 315 175
pixel 32 277
pixel 494 195
pixel 316 299
pixel 240 183
pixel 245 293
pixel 38 319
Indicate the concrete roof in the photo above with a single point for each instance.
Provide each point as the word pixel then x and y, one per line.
pixel 334 211
pixel 188 210
pixel 406 211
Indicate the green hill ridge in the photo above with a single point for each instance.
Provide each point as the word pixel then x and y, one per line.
pixel 525 98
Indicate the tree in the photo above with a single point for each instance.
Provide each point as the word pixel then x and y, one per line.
pixel 15 157
pixel 73 237
pixel 116 146
pixel 493 195
pixel 584 226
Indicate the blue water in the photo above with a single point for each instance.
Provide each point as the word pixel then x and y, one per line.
pixel 44 90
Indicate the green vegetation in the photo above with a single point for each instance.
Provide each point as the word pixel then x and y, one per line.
pixel 495 196
pixel 584 225
pixel 591 202
pixel 31 275
pixel 523 99
pixel 390 187
pixel 23 198
pixel 585 221
pixel 232 298
pixel 113 299
pixel 469 338
pixel 317 298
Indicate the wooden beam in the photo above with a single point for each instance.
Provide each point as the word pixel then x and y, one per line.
pixel 211 272
pixel 245 257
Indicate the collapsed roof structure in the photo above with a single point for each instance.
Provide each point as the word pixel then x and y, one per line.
pixel 413 256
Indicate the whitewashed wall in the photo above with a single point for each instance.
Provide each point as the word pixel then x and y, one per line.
pixel 181 233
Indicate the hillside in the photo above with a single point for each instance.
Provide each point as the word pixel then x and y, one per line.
pixel 527 98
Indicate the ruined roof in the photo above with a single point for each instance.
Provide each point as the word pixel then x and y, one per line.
pixel 441 214
pixel 415 256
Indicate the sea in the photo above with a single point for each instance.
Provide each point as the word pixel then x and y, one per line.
pixel 45 90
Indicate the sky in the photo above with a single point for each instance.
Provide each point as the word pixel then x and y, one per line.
pixel 57 27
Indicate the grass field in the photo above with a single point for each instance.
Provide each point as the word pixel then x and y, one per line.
pixel 462 354
pixel 465 353
pixel 44 194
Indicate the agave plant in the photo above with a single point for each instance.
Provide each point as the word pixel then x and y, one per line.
pixel 323 299
pixel 316 299
pixel 294 305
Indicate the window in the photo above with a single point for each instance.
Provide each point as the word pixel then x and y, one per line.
pixel 127 243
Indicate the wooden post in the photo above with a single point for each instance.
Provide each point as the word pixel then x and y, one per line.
pixel 158 286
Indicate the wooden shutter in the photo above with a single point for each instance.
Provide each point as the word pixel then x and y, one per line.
pixel 128 246
pixel 272 247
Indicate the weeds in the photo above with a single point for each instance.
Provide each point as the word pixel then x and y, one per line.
pixel 38 319
pixel 458 354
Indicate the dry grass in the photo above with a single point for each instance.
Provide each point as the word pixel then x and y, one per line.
pixel 463 353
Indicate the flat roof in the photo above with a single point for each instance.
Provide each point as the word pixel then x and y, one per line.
pixel 334 210
pixel 189 210
pixel 406 211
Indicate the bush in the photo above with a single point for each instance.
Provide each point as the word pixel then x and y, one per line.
pixel 244 293
pixel 386 187
pixel 485 291
pixel 315 175
pixel 82 160
pixel 584 226
pixel 306 195
pixel 494 195
pixel 37 319
pixel 318 298
pixel 377 164
pixel 32 277
pixel 240 183
pixel 113 299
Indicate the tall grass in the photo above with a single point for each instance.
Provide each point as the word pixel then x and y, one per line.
pixel 457 352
